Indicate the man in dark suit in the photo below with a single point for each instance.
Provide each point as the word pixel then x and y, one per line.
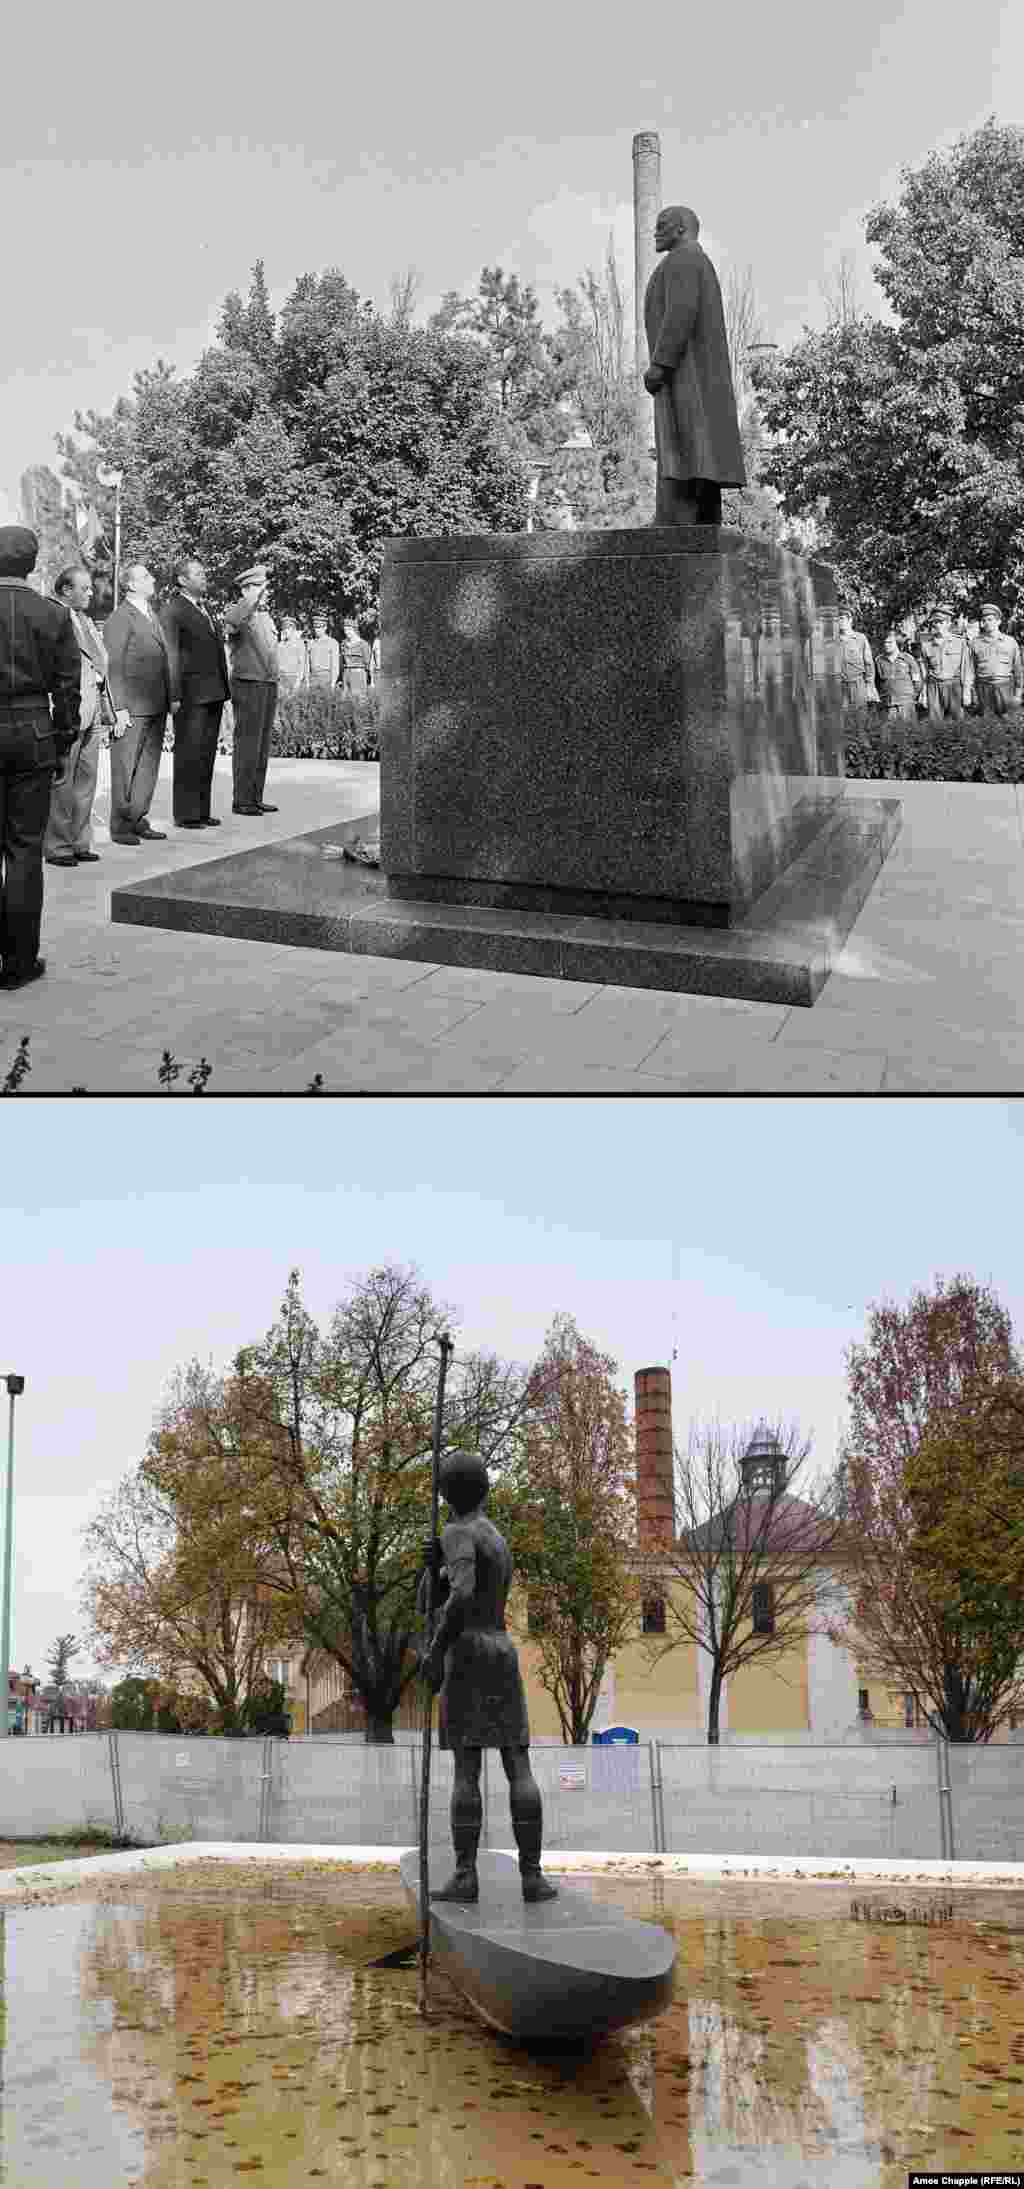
pixel 144 692
pixel 199 671
pixel 40 670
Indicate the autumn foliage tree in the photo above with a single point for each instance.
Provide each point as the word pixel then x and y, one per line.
pixel 743 1530
pixel 567 1504
pixel 933 1486
pixel 178 1552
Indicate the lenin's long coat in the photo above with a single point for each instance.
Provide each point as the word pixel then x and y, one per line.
pixel 696 429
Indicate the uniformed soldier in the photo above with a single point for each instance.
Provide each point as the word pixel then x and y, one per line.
pixel 40 704
pixel 948 668
pixel 856 665
pixel 996 659
pixel 899 679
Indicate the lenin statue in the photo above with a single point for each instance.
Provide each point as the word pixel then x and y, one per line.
pixel 696 430
pixel 473 1661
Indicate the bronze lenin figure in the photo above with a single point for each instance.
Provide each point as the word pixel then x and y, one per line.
pixel 696 429
pixel 473 1661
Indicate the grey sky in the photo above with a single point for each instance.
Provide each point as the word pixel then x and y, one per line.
pixel 140 1234
pixel 148 160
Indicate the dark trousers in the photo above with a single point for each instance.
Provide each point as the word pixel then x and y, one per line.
pixel 28 756
pixel 254 706
pixel 134 767
pixel 945 698
pixel 196 730
pixel 687 501
pixel 994 698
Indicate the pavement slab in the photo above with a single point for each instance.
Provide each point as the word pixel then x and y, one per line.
pixel 926 995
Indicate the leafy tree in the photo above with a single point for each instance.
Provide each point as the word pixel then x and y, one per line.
pixel 266 1710
pixel 910 437
pixel 177 1555
pixel 566 1503
pixel 744 1532
pixel 346 1420
pixel 304 439
pixel 58 1664
pixel 932 1437
pixel 133 1704
pixel 45 509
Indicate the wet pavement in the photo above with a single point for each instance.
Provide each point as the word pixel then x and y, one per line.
pixel 196 2026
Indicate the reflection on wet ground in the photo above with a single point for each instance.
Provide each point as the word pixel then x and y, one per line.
pixel 187 2028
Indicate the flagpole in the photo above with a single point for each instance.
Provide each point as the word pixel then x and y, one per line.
pixel 447 1348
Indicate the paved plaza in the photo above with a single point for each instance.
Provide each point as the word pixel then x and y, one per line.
pixel 927 996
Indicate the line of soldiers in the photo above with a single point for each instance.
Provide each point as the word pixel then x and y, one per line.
pixel 945 671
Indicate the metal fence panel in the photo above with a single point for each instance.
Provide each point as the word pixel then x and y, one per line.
pixel 55 1783
pixel 593 1797
pixel 987 1801
pixel 176 1787
pixel 325 1792
pixel 838 1802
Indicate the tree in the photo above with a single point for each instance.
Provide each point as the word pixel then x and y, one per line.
pixel 345 1421
pixel 177 1552
pixel 590 353
pixel 752 1565
pixel 58 1662
pixel 910 437
pixel 305 439
pixel 403 290
pixel 45 507
pixel 839 289
pixel 567 1504
pixel 934 1443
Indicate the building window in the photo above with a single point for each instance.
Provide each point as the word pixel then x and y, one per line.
pixel 863 1699
pixel 653 1615
pixel 763 1608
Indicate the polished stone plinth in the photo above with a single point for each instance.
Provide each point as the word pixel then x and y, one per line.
pixel 562 1972
pixel 299 892
pixel 635 726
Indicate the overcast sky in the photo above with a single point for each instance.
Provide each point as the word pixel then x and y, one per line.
pixel 748 1234
pixel 149 157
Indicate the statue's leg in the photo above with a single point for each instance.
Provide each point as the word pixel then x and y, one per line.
pixel 708 496
pixel 527 1823
pixel 467 1815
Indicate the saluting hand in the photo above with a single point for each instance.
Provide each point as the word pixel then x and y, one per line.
pixel 654 378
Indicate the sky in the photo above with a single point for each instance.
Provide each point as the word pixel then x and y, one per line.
pixel 149 158
pixel 747 1236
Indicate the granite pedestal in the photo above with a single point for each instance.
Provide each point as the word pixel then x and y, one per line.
pixel 640 725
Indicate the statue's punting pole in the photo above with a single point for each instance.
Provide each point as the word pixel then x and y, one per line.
pixel 646 207
pixel 446 1350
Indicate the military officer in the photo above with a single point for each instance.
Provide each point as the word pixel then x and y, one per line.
pixel 856 665
pixel 997 665
pixel 898 678
pixel 948 668
pixel 40 710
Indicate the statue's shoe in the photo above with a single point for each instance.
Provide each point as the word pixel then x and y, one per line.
pixel 462 1886
pixel 538 1887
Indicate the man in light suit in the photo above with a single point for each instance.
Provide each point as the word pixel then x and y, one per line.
pixel 68 839
pixel 143 690
pixel 199 671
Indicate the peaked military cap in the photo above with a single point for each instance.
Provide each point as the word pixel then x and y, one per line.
pixel 256 576
pixel 991 608
pixel 942 608
pixel 18 550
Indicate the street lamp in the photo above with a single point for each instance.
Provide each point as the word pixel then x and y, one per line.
pixel 15 1387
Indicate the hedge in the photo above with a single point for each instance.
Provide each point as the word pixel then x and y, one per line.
pixel 980 749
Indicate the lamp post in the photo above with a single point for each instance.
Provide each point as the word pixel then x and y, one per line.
pixel 15 1387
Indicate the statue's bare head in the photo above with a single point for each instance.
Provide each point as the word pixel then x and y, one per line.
pixel 462 1480
pixel 673 223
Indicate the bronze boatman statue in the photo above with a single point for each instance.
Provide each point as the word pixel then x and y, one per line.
pixel 483 1702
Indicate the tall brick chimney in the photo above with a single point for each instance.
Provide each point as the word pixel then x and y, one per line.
pixel 656 1522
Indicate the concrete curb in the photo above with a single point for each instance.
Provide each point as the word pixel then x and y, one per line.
pixel 804 1869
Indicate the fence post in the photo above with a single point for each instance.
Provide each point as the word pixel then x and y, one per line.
pixel 949 1806
pixel 115 1773
pixel 264 1809
pixel 655 1768
pixel 942 1805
